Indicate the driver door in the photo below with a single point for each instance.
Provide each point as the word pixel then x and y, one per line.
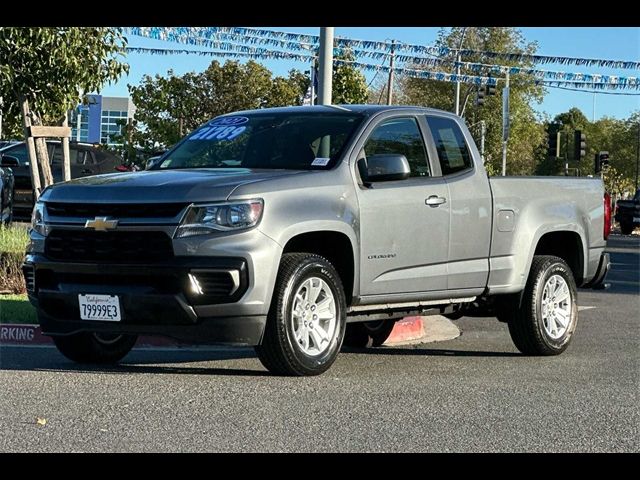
pixel 404 233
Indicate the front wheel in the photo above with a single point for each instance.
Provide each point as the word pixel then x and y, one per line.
pixel 101 348
pixel 546 318
pixel 307 319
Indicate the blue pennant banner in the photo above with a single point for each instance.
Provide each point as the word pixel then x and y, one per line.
pixel 296 41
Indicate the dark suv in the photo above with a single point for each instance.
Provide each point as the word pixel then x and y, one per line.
pixel 86 159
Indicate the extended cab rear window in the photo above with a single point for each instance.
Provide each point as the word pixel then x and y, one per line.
pixel 453 153
pixel 311 141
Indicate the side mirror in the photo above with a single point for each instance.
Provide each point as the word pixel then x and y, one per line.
pixel 152 162
pixel 384 168
pixel 9 161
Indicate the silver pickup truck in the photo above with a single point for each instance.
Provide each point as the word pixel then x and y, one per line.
pixel 299 229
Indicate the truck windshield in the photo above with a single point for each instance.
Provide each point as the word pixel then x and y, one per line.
pixel 302 141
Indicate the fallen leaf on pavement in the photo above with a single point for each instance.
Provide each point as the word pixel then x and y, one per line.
pixel 41 421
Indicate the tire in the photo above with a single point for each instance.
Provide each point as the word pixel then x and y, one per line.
pixel 287 350
pixel 626 228
pixel 531 329
pixel 368 334
pixel 8 220
pixel 95 348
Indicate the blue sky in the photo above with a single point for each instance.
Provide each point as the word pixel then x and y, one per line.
pixel 614 43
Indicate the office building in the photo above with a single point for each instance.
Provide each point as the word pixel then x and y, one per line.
pixel 101 119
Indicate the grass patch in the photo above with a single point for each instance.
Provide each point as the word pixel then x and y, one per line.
pixel 13 239
pixel 16 309
pixel 13 243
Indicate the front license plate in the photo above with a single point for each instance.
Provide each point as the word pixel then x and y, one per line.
pixel 99 307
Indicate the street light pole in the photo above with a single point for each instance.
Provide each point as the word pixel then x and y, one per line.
pixel 325 80
pixel 638 154
pixel 458 59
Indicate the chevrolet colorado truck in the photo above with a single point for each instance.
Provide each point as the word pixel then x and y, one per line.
pixel 297 229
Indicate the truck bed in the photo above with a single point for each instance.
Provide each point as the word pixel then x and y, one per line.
pixel 526 208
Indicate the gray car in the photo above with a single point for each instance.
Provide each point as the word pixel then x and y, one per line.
pixel 85 159
pixel 297 229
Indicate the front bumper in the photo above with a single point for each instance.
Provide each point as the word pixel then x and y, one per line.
pixel 154 298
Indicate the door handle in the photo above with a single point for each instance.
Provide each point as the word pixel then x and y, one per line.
pixel 86 171
pixel 434 201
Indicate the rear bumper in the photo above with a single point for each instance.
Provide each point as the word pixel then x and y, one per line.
pixel 154 299
pixel 603 267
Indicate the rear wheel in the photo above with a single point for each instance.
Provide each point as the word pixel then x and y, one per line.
pixel 86 347
pixel 544 321
pixel 368 334
pixel 306 322
pixel 626 228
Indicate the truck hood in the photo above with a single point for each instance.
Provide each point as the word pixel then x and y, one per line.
pixel 160 186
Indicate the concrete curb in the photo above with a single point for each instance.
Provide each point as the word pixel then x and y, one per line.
pixel 412 330
pixel 406 331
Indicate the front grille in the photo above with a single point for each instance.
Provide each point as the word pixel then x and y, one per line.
pixel 29 278
pixel 108 247
pixel 164 283
pixel 127 210
pixel 22 183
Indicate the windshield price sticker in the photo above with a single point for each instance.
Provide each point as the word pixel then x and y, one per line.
pixel 320 162
pixel 218 132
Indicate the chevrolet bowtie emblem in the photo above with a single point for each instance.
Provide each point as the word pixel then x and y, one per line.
pixel 101 224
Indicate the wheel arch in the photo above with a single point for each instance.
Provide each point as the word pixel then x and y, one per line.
pixel 336 247
pixel 565 244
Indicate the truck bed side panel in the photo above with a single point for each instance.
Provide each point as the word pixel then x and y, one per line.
pixel 526 208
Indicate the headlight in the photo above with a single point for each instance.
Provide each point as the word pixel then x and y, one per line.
pixel 37 219
pixel 204 219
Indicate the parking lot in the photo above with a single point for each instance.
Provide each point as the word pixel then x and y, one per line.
pixel 475 393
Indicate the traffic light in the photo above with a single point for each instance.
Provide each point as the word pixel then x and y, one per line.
pixel 482 92
pixel 602 161
pixel 491 90
pixel 579 145
pixel 553 149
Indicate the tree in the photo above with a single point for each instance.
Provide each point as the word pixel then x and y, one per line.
pixel 616 136
pixel 169 107
pixel 574 119
pixel 527 132
pixel 51 67
pixel 349 84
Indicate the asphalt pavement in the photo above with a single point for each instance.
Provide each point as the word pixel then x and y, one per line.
pixel 475 393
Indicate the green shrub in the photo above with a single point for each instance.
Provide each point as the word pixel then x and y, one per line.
pixel 13 242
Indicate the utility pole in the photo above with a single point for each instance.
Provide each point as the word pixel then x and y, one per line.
pixel 325 83
pixel 391 65
pixel 593 111
pixel 458 59
pixel 505 124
